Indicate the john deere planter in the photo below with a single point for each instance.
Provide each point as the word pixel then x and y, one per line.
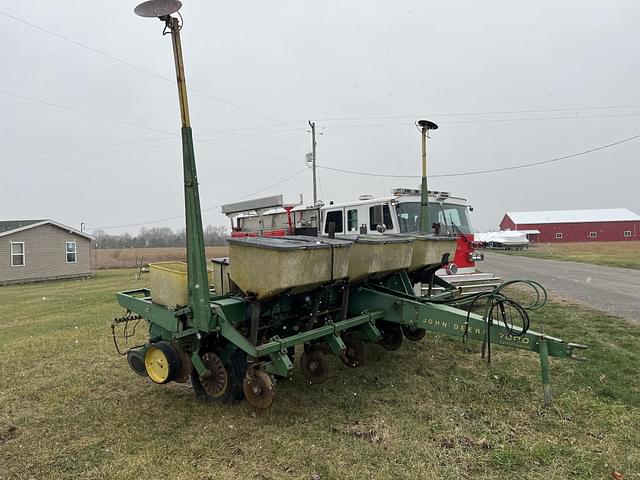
pixel 325 296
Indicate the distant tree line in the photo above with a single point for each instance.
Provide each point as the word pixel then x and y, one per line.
pixel 158 237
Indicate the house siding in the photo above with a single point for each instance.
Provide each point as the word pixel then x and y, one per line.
pixel 578 232
pixel 45 255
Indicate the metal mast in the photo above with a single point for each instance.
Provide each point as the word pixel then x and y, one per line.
pixel 198 283
pixel 425 226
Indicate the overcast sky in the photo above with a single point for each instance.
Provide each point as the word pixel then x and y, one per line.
pixel 363 70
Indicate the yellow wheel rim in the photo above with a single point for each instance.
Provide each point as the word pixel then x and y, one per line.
pixel 156 364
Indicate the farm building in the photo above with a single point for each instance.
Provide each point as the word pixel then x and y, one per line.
pixel 34 250
pixel 601 225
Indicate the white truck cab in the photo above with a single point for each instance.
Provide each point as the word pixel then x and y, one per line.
pixel 397 213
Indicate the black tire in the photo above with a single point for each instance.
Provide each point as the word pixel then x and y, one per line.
pixel 236 368
pixel 135 359
pixel 414 334
pixel 391 336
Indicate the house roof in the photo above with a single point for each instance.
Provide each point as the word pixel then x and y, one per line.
pixel 574 216
pixel 9 227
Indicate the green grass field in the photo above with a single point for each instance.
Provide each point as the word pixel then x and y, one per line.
pixel 613 254
pixel 70 407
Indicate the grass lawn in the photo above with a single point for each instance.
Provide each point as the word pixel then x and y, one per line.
pixel 70 407
pixel 613 254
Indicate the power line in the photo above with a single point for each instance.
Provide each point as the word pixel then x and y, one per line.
pixel 479 172
pixel 492 120
pixel 84 112
pixel 145 127
pixel 92 147
pixel 464 114
pixel 289 123
pixel 543 162
pixel 88 154
pixel 258 134
pixel 265 188
pixel 286 179
pixel 277 157
pixel 142 69
pixel 354 172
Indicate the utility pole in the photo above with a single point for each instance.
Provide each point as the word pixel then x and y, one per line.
pixel 313 161
pixel 425 226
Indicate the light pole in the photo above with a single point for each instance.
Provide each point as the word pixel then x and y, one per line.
pixel 198 283
pixel 425 126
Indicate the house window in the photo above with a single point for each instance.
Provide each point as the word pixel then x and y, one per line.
pixel 593 234
pixel 17 254
pixel 352 220
pixel 71 252
pixel 627 233
pixel 334 217
pixel 559 236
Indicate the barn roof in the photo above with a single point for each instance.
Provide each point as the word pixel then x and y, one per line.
pixel 8 227
pixel 574 216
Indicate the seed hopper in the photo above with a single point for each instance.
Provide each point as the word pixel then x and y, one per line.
pixel 302 296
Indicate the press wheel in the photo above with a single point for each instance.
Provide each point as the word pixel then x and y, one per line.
pixel 414 334
pixel 259 389
pixel 391 338
pixel 314 366
pixel 222 383
pixel 215 381
pixel 355 355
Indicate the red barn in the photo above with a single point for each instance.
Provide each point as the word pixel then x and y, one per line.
pixel 602 225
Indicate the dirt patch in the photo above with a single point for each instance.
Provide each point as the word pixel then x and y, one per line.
pixel 9 434
pixel 374 434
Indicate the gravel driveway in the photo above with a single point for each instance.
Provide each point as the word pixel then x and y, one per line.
pixel 615 291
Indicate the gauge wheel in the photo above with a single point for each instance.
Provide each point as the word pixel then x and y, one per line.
pixel 314 366
pixel 391 336
pixel 222 383
pixel 414 334
pixel 135 359
pixel 162 362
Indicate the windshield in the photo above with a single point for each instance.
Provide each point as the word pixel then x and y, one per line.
pixel 457 216
pixel 452 218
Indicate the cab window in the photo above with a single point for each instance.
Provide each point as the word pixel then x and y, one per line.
pixel 352 220
pixel 336 217
pixel 386 217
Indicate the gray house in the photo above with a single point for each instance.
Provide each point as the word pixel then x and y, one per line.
pixel 34 250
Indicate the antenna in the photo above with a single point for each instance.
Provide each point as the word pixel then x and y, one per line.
pixel 426 124
pixel 157 8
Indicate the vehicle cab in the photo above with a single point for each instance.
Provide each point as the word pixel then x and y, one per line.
pixel 400 213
